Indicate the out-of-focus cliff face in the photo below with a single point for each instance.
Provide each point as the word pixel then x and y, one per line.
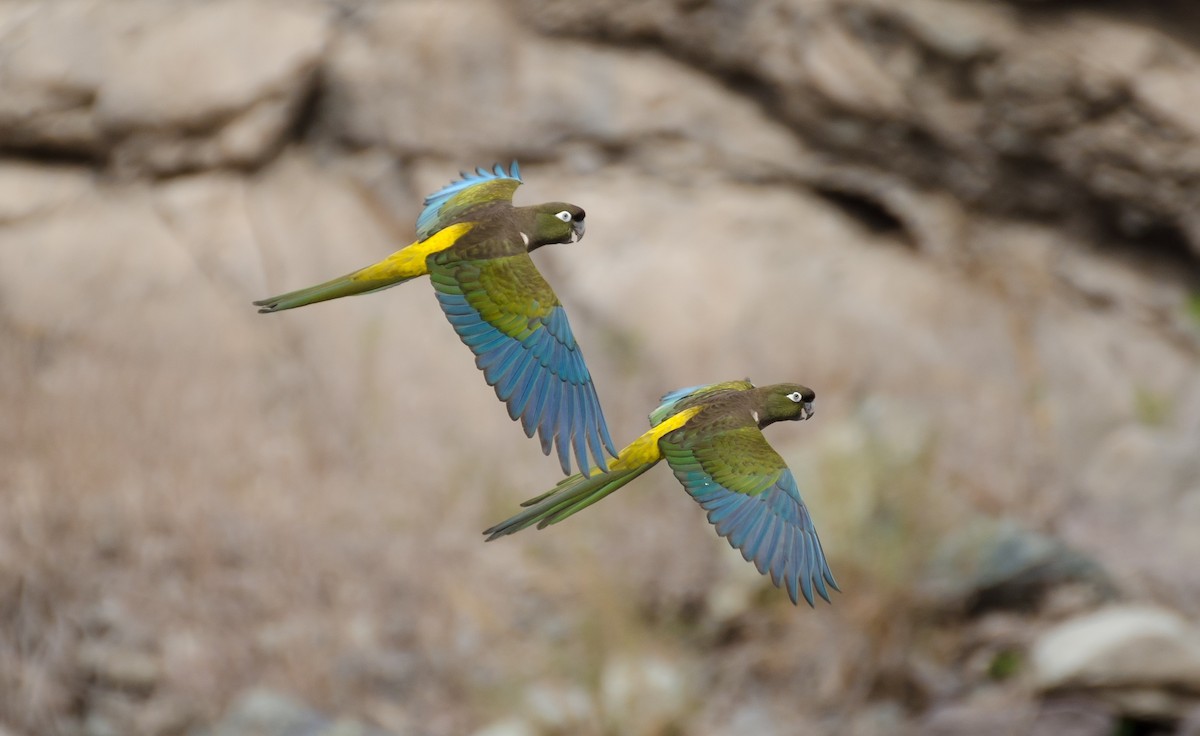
pixel 971 226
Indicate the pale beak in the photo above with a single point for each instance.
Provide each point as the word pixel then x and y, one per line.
pixel 578 227
pixel 806 411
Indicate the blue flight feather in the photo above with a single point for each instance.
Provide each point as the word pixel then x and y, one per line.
pixel 548 412
pixel 518 381
pixel 562 415
pixel 792 567
pixel 720 507
pixel 535 392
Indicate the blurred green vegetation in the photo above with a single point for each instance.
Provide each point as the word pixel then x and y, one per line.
pixel 1005 664
pixel 1153 408
pixel 1193 308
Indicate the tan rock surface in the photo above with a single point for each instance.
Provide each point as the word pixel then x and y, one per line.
pixel 830 192
pixel 153 86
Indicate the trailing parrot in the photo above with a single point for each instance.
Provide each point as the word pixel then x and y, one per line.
pixel 711 437
pixel 474 245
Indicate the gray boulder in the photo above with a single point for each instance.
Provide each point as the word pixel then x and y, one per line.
pixel 1144 660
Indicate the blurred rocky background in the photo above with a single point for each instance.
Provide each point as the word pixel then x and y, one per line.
pixel 971 225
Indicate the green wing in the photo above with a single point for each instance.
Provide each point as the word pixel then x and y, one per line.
pixel 678 399
pixel 752 499
pixel 453 201
pixel 508 315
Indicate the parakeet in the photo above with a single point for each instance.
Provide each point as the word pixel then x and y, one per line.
pixel 711 437
pixel 474 245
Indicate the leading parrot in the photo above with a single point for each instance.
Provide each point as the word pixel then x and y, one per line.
pixel 710 436
pixel 474 245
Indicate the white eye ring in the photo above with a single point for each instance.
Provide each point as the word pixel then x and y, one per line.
pixel 795 396
pixel 564 216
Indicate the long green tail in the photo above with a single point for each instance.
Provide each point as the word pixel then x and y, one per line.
pixel 403 265
pixel 334 289
pixel 570 495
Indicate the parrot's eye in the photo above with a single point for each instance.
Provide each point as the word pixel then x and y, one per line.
pixel 795 396
pixel 564 216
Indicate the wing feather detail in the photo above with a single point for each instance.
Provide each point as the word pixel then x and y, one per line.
pixel 507 314
pixel 752 500
pixel 453 200
pixel 669 402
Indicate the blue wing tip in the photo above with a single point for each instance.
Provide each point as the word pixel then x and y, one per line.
pixel 814 580
pixel 466 179
pixel 434 202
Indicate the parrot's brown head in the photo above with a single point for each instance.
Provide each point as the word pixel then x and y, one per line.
pixel 785 402
pixel 552 222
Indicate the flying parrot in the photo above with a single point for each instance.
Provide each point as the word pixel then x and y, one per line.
pixel 474 245
pixel 711 437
